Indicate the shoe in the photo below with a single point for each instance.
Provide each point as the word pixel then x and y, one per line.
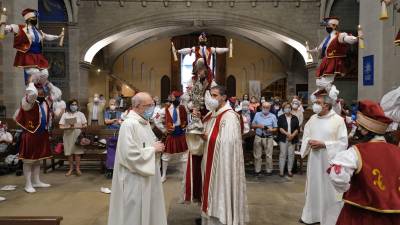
pixel 30 190
pixel 281 175
pixel 69 173
pixel 268 174
pixel 41 185
pixel 163 179
pixel 78 173
pixel 198 221
pixel 290 174
pixel 301 221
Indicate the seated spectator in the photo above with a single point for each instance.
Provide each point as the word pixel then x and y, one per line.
pixel 112 117
pixel 288 126
pixel 72 121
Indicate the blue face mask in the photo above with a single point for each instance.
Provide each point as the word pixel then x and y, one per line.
pixel 148 113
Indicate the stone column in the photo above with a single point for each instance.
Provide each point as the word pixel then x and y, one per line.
pixel 12 85
pixel 379 36
pixel 81 90
pixel 311 79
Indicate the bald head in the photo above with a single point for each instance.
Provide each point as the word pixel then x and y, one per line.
pixel 141 98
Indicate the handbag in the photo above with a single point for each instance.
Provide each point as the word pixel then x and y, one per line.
pixel 59 148
pixel 82 140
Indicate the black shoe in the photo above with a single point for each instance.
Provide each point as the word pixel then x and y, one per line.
pixel 198 221
pixel 268 174
pixel 301 221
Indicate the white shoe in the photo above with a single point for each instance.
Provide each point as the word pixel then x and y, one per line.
pixel 163 179
pixel 41 185
pixel 105 190
pixel 2 199
pixel 30 190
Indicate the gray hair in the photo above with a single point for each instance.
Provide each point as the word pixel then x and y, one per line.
pixel 139 98
pixel 328 101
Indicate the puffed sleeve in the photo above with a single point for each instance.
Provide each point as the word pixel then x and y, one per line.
pixel 343 166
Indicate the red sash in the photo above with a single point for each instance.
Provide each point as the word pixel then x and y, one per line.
pixel 210 157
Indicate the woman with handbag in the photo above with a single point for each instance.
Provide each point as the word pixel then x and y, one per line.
pixel 72 121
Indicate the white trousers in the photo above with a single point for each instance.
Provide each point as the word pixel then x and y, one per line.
pixel 260 145
pixel 286 152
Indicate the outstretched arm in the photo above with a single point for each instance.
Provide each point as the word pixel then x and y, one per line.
pixel 348 39
pixel 185 51
pixel 50 37
pixel 219 50
pixel 11 28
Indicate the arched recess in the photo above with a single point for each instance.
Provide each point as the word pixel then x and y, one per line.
pixel 165 88
pixel 231 86
pixel 277 88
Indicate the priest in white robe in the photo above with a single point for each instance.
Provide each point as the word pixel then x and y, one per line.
pixel 224 183
pixel 325 135
pixel 137 196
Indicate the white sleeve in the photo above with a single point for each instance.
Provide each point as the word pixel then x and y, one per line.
pixel 12 28
pixel 341 142
pixel 305 148
pixel 219 50
pixel 62 120
pixel 246 125
pixel 83 118
pixel 159 120
pixel 348 39
pixel 25 105
pixel 185 51
pixel 132 154
pixel 390 104
pixel 49 37
pixel 343 166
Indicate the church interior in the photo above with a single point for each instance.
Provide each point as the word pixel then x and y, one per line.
pixel 114 49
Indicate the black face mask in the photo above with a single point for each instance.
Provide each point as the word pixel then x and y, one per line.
pixel 176 102
pixel 203 43
pixel 41 99
pixel 33 22
pixel 329 29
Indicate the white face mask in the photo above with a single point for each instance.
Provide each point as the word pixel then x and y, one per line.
pixel 287 110
pixel 295 106
pixel 212 104
pixel 317 108
pixel 113 107
pixel 265 111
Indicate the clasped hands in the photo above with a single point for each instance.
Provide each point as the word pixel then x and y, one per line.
pixel 316 145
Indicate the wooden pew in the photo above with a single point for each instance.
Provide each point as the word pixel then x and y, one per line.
pixel 91 153
pixel 30 220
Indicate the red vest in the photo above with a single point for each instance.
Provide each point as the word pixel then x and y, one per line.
pixel 169 124
pixel 21 40
pixel 30 120
pixel 336 49
pixel 376 186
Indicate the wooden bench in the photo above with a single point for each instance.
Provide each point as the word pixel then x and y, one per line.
pixel 91 152
pixel 30 220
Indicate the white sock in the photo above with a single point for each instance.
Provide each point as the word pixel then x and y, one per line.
pixel 164 170
pixel 36 180
pixel 27 168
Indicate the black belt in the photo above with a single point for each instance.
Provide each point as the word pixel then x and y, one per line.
pixel 264 136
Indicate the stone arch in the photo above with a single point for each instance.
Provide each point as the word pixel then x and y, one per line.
pixel 266 34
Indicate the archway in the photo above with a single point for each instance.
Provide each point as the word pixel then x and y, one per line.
pixel 231 86
pixel 165 88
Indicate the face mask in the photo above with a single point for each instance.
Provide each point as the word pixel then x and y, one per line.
pixel 34 22
pixel 212 103
pixel 96 99
pixel 287 110
pixel 245 109
pixel 203 43
pixel 176 103
pixel 262 101
pixel 316 108
pixel 245 98
pixel 265 111
pixel 113 107
pixel 329 29
pixel 41 99
pixel 73 108
pixel 277 107
pixel 295 106
pixel 148 113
